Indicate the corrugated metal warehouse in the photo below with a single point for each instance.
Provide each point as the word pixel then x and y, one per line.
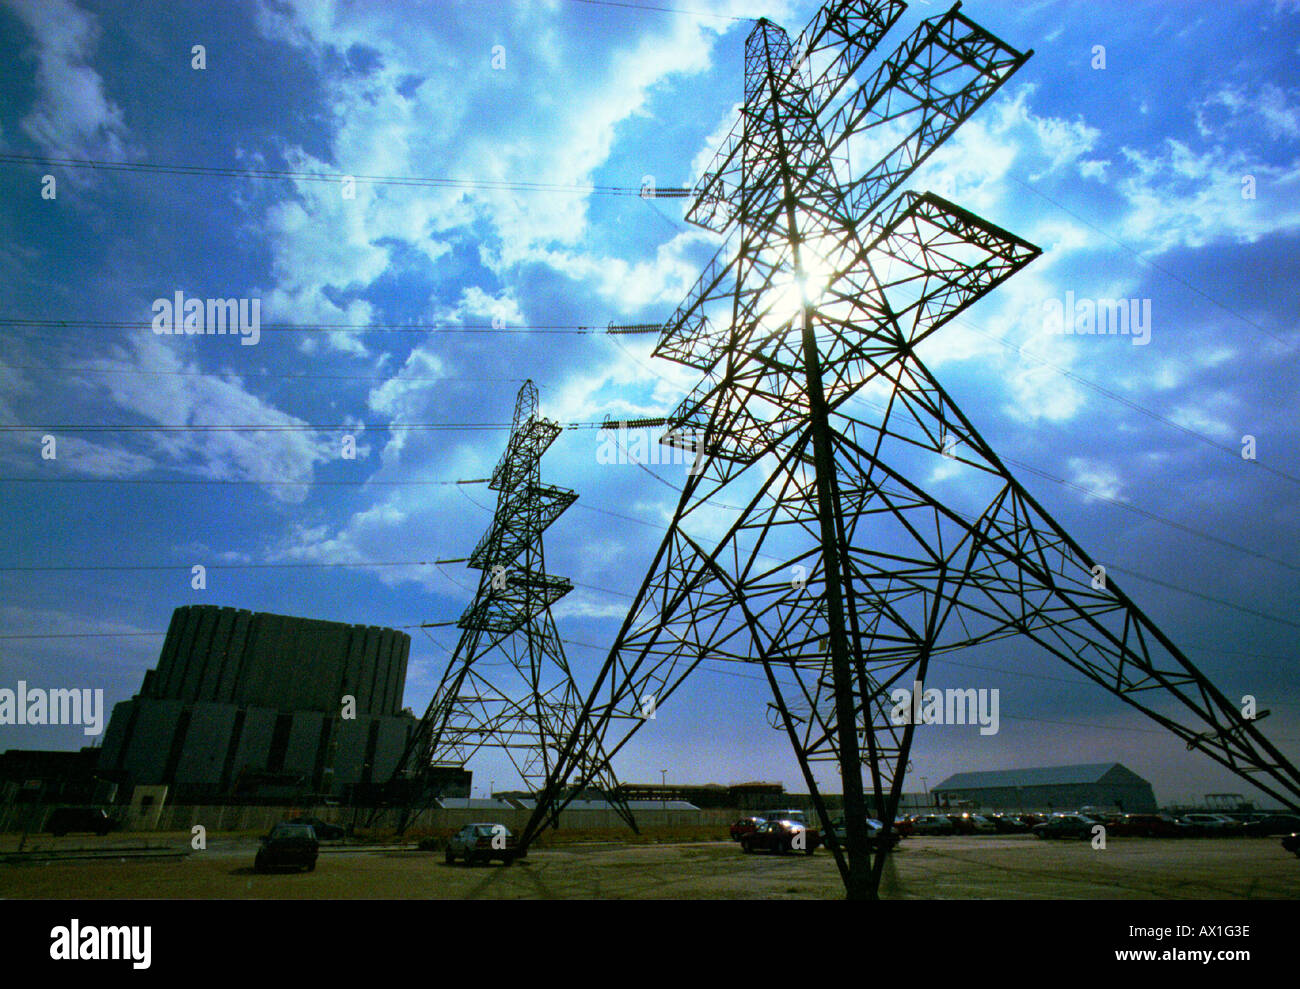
pixel 251 704
pixel 1101 784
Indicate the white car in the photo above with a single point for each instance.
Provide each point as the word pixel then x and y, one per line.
pixel 482 843
pixel 1217 825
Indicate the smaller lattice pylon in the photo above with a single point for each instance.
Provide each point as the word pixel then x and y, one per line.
pixel 526 706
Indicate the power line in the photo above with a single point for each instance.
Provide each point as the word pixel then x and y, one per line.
pixel 665 10
pixel 252 376
pixel 574 329
pixel 1145 260
pixel 217 171
pixel 1130 573
pixel 287 427
pixel 246 427
pixel 288 565
pixel 590 645
pixel 259 482
pixel 1234 452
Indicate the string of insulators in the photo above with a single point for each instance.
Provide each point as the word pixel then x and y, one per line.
pixel 673 192
pixel 632 423
pixel 635 328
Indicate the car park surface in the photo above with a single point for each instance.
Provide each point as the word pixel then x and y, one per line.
pixel 975 867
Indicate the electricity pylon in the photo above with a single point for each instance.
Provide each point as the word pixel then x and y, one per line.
pixel 508 684
pixel 825 537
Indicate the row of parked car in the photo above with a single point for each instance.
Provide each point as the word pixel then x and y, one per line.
pixel 789 830
pixel 1198 824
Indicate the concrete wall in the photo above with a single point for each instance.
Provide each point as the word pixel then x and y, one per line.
pixel 240 818
pixel 206 743
pixel 151 739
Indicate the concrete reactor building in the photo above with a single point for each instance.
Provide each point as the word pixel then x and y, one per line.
pixel 257 706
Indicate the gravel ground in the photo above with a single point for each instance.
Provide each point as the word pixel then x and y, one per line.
pixel 1013 867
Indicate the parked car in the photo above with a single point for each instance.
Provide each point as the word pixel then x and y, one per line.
pixel 903 825
pixel 790 814
pixel 744 826
pixel 1291 842
pixel 324 831
pixel 66 820
pixel 290 844
pixel 1065 826
pixel 932 824
pixel 874 830
pixel 1150 826
pixel 781 836
pixel 1273 824
pixel 482 843
pixel 1009 824
pixel 1211 825
pixel 968 823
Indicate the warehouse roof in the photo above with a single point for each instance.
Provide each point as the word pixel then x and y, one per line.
pixel 1091 772
pixel 634 805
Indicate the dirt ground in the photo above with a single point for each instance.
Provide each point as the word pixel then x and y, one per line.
pixel 1013 867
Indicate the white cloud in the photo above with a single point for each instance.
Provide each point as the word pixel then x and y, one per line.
pixel 72 116
pixel 1180 198
pixel 1267 104
pixel 1099 478
pixel 162 397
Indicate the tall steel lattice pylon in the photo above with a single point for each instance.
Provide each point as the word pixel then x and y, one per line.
pixel 848 558
pixel 508 684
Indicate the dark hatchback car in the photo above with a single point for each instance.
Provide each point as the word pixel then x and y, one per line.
pixel 68 820
pixel 781 837
pixel 324 831
pixel 289 846
pixel 1274 824
pixel 1065 826
pixel 1150 826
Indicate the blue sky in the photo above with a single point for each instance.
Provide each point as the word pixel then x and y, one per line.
pixel 1129 177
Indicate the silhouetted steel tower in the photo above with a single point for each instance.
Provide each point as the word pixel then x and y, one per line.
pixel 526 706
pixel 849 556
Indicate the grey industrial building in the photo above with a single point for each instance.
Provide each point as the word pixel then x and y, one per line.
pixel 247 705
pixel 1102 784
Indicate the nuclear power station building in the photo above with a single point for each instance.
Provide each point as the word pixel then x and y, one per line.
pixel 260 706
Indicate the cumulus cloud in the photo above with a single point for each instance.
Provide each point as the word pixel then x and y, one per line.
pixel 73 116
pixel 171 391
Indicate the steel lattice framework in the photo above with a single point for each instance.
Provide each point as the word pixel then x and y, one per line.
pixel 531 708
pixel 819 540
